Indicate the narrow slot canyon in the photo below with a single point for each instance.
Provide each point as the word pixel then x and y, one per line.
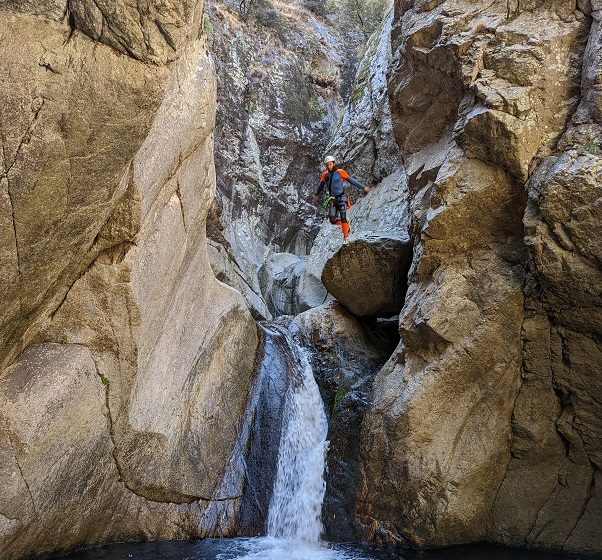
pixel 197 362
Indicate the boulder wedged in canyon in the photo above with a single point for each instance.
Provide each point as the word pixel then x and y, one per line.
pixel 106 194
pixel 485 420
pixel 368 274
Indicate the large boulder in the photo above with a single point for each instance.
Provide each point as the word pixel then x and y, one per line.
pixel 368 274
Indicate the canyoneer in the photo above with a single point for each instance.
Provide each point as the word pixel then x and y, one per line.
pixel 338 201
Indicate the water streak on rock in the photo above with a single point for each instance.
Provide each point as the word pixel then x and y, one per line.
pixel 296 506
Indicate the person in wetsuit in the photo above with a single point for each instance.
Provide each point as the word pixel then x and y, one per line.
pixel 334 178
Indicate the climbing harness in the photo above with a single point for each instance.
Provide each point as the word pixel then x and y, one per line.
pixel 325 204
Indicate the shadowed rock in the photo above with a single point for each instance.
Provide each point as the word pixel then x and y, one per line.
pixel 346 356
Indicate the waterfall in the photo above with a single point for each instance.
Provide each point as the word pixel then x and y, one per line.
pixel 296 505
pixel 294 523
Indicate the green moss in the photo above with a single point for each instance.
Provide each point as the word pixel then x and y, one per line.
pixel 338 397
pixel 356 94
pixel 299 101
pixel 207 26
pixel 592 148
pixel 105 380
pixel 362 78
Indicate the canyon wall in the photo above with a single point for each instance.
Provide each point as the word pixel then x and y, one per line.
pixel 284 73
pixel 485 423
pixel 125 364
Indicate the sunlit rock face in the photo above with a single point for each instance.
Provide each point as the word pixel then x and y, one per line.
pixel 126 364
pixel 283 77
pixel 485 422
pixel 364 145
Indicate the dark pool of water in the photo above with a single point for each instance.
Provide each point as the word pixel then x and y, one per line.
pixel 273 549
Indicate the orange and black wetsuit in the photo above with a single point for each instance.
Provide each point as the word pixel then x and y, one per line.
pixel 335 180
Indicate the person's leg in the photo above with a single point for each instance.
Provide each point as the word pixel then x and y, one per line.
pixel 332 212
pixel 342 203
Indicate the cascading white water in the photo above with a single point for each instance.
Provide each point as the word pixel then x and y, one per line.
pixel 296 505
pixel 294 518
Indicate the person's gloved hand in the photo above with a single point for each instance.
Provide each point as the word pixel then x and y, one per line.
pixel 367 190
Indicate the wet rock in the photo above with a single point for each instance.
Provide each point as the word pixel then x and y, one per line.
pixel 346 356
pixel 267 401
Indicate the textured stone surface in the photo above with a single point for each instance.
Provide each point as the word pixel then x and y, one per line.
pixel 363 138
pixel 158 358
pixel 66 145
pixel 172 381
pixel 226 270
pixel 346 355
pixel 54 436
pixel 485 419
pixel 279 277
pixel 556 422
pixel 283 74
pixel 151 31
pixel 443 403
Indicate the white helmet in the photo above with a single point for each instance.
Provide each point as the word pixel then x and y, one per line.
pixel 328 159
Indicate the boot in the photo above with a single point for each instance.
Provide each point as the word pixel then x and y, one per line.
pixel 345 227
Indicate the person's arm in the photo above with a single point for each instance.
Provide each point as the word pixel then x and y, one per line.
pixel 353 181
pixel 322 183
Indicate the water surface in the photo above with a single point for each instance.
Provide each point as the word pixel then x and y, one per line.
pixel 268 548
